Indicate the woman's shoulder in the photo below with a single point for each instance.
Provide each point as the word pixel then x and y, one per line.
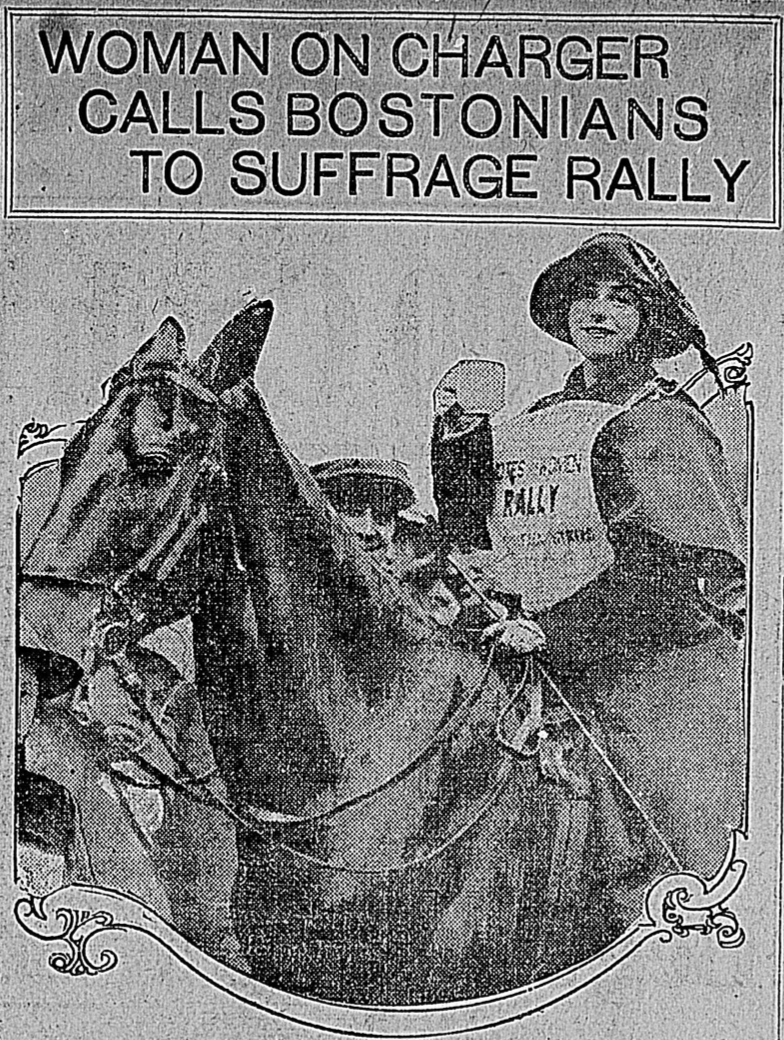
pixel 548 401
pixel 659 467
pixel 669 421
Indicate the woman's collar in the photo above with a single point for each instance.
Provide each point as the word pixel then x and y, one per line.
pixel 616 382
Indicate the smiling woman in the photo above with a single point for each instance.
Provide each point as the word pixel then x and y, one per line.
pixel 605 321
pixel 635 576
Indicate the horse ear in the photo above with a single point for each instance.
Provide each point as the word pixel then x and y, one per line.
pixel 234 353
pixel 164 349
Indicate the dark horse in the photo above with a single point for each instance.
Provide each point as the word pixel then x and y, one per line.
pixel 392 850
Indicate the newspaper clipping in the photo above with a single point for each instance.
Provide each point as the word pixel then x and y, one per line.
pixel 392 541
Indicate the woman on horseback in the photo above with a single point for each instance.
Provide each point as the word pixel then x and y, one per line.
pixel 616 529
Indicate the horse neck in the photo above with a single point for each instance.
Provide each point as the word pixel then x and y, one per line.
pixel 333 634
pixel 306 567
pixel 58 616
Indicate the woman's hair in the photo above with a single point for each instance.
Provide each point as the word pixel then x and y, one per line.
pixel 668 324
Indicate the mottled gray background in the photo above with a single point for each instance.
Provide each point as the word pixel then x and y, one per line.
pixel 368 317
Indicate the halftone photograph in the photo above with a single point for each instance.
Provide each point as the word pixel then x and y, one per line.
pixel 392 554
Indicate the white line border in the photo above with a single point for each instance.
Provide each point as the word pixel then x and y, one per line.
pixel 659 220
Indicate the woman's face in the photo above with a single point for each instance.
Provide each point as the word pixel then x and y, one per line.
pixel 604 320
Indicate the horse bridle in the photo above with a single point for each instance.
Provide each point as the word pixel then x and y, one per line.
pixel 112 642
pixel 119 620
pixel 264 821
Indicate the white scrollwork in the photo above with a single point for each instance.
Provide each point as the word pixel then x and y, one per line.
pixel 34 433
pixel 733 366
pixel 74 927
pixel 684 904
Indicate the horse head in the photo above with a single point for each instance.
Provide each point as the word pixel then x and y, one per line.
pixel 138 481
pixel 334 705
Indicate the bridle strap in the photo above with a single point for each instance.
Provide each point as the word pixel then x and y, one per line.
pixel 261 821
pixel 271 818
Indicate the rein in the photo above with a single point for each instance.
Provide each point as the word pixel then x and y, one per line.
pixel 120 620
pixel 112 641
pixel 260 821
pixel 535 673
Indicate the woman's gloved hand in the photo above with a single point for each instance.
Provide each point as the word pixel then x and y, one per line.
pixel 519 636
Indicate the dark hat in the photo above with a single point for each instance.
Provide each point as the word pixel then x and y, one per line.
pixel 374 469
pixel 670 323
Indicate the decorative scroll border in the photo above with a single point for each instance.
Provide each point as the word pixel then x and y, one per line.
pixel 83 918
pixel 678 906
pixel 77 926
pixel 682 905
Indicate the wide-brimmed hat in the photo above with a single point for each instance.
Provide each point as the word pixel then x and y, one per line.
pixel 382 472
pixel 670 324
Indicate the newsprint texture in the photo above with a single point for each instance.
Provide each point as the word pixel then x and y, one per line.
pixel 391 552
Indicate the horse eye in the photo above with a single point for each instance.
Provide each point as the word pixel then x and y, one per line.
pixel 197 411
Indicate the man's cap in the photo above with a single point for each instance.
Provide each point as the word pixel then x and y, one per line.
pixel 386 470
pixel 670 323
